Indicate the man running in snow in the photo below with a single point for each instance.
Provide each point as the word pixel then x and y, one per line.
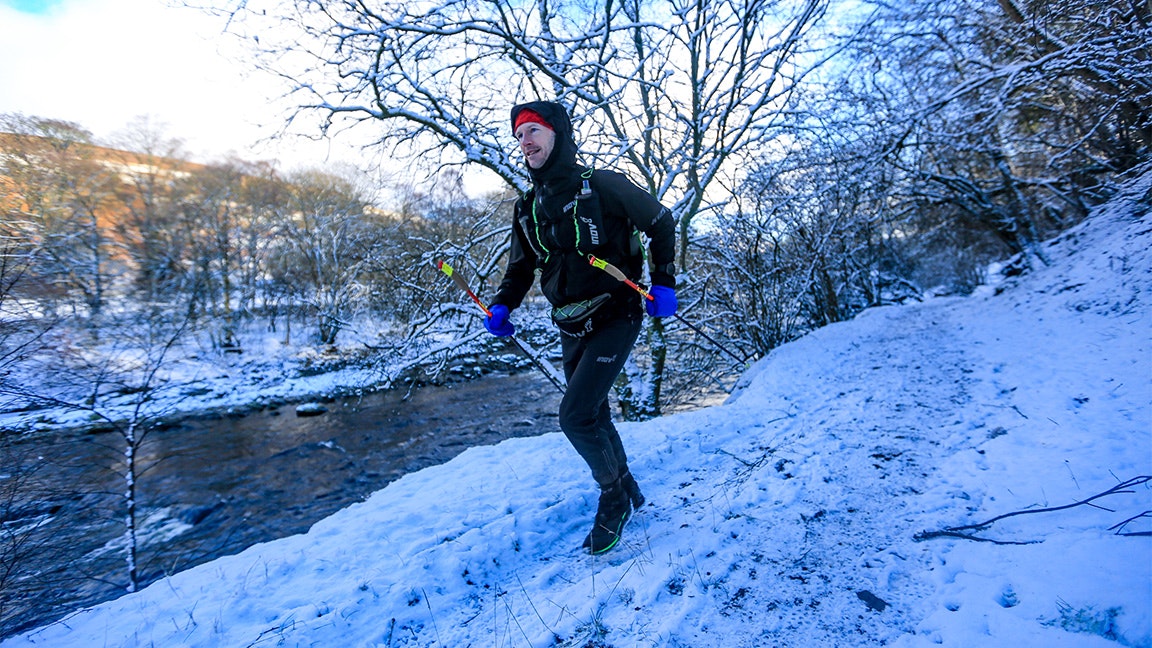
pixel 570 213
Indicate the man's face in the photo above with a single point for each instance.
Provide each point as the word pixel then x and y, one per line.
pixel 536 142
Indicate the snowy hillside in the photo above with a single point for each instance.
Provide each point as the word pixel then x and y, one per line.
pixel 787 517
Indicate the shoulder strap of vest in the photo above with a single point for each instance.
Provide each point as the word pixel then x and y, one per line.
pixel 635 239
pixel 529 201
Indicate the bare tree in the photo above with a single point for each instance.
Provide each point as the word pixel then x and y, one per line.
pixel 326 238
pixel 128 386
pixel 22 330
pixel 810 244
pixel 677 94
pixel 1015 116
pixel 948 134
pixel 225 219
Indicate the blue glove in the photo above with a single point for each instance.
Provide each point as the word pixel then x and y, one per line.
pixel 498 324
pixel 663 302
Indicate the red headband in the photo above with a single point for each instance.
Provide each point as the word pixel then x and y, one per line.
pixel 529 115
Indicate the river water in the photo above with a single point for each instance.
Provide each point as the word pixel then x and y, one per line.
pixel 214 485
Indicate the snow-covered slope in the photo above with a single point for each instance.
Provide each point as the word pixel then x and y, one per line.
pixel 787 517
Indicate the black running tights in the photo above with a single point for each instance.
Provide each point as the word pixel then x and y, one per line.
pixel 591 364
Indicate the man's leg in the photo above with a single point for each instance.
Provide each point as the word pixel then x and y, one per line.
pixel 591 365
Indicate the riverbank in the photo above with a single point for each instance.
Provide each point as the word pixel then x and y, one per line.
pixel 194 382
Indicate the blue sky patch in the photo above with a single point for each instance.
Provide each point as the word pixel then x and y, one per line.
pixel 32 6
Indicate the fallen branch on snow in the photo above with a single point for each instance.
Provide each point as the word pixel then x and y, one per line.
pixel 1119 528
pixel 964 531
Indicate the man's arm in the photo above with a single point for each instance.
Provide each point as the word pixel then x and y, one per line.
pixel 521 269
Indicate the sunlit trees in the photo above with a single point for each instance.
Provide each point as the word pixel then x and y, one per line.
pixel 62 200
pixel 214 220
pixel 152 194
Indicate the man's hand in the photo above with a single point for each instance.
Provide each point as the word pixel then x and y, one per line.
pixel 498 324
pixel 663 302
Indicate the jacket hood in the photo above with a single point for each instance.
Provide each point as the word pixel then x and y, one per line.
pixel 562 161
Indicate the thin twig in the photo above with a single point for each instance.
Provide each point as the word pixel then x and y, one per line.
pixel 956 532
pixel 432 615
pixel 531 604
pixel 1115 490
pixel 1119 528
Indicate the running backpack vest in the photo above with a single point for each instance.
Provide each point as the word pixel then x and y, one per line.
pixel 579 228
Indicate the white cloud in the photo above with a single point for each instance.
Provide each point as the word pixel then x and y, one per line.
pixel 101 63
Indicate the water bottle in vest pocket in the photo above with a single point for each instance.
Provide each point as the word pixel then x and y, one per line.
pixel 587 217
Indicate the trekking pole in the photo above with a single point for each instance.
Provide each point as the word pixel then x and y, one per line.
pixel 615 272
pixel 548 370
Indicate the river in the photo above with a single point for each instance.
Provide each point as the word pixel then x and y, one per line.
pixel 215 485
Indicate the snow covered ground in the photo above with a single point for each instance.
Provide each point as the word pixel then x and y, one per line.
pixel 787 517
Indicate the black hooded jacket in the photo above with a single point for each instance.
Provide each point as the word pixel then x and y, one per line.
pixel 558 224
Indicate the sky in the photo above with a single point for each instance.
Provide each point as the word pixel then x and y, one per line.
pixel 103 63
pixel 811 509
